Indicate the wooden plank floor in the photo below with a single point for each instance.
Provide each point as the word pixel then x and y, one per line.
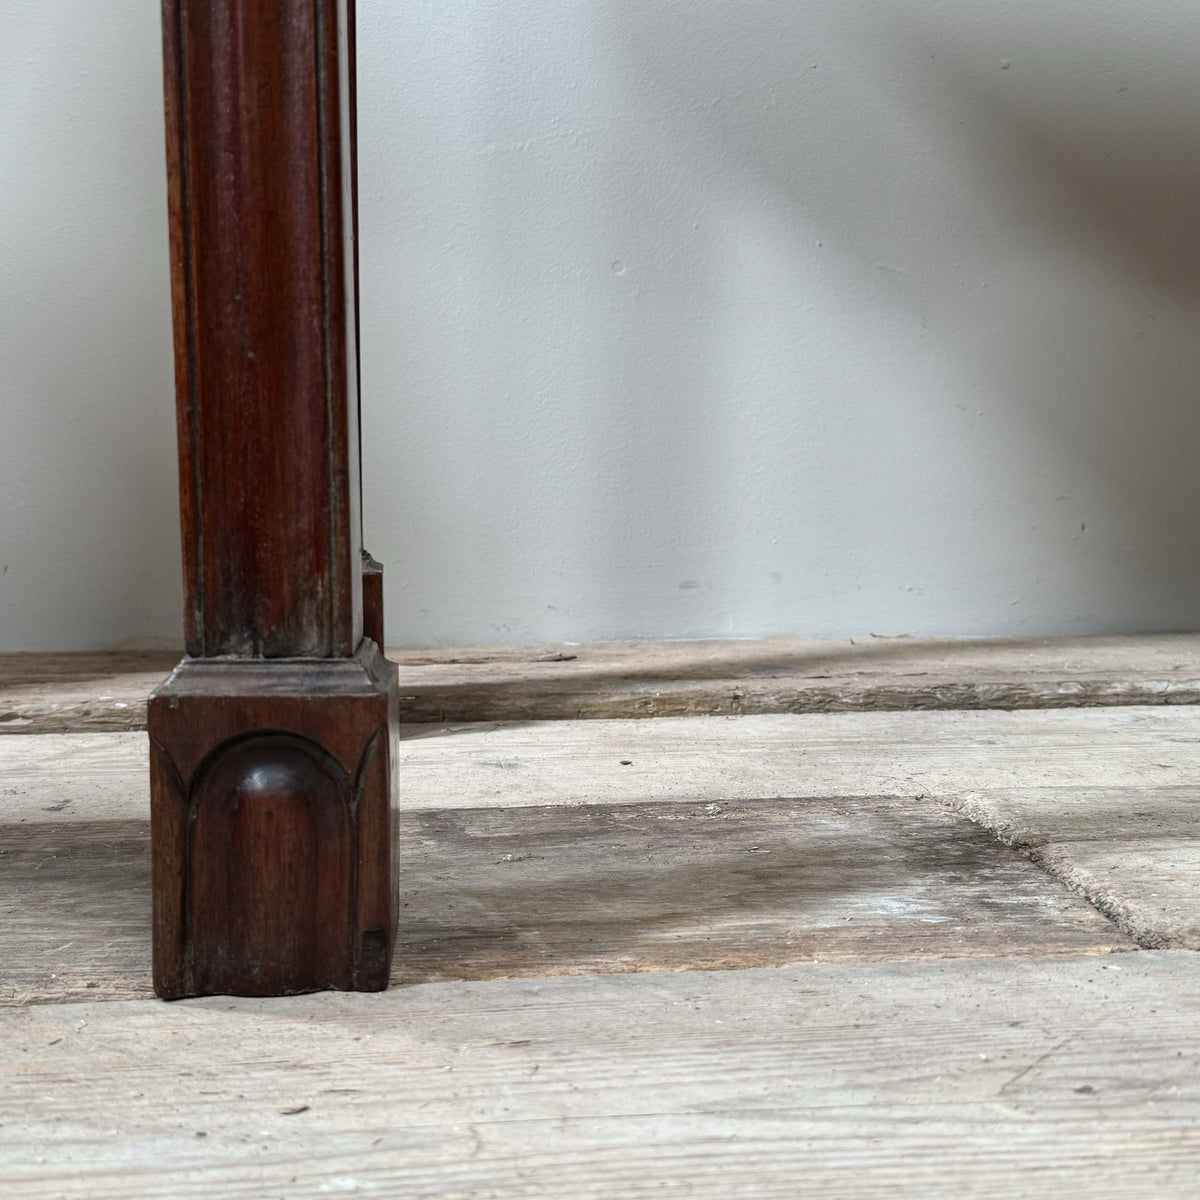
pixel 993 1078
pixel 927 941
pixel 56 693
pixel 1086 781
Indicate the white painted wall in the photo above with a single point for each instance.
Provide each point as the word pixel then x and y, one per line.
pixel 682 318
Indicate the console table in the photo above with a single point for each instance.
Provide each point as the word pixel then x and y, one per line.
pixel 273 744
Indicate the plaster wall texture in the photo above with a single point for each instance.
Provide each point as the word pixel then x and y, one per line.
pixel 679 319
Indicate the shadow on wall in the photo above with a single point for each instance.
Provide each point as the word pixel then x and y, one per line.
pixel 697 319
pixel 689 320
pixel 1102 184
pixel 730 320
pixel 1015 189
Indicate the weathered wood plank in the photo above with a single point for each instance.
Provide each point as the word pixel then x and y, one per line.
pixel 901 753
pixel 580 890
pixel 77 693
pixel 74 911
pixel 930 1080
pixel 93 777
pixel 730 885
pixel 786 675
pixel 1134 854
pixel 74 777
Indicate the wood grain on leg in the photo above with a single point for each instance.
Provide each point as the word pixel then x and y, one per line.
pixel 273 744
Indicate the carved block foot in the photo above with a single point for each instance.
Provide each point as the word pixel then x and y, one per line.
pixel 272 786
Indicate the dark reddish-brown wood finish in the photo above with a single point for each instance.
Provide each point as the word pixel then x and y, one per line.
pixel 272 824
pixel 372 589
pixel 273 745
pixel 258 124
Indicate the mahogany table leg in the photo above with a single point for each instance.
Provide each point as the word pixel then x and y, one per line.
pixel 273 743
pixel 372 585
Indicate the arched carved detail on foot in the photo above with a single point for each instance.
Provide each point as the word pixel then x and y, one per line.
pixel 270 896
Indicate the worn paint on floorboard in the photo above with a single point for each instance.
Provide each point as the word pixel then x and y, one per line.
pixel 989 1078
pixel 499 893
pixel 728 885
